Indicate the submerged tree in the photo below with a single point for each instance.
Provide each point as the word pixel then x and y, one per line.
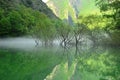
pixel 79 31
pixel 64 32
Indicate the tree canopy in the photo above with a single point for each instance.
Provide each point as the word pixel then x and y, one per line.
pixel 110 9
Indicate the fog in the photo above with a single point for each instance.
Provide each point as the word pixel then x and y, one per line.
pixel 29 44
pixel 17 43
pixel 22 43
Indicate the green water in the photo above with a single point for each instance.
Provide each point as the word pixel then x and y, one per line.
pixel 52 63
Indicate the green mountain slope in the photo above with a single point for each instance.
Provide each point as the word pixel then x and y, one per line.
pixel 34 4
pixel 23 17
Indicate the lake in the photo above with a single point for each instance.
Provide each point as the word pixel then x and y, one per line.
pixel 24 61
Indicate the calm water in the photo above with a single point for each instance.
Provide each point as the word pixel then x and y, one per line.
pixel 58 63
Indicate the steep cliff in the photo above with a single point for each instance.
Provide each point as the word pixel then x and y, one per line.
pixel 71 9
pixel 63 9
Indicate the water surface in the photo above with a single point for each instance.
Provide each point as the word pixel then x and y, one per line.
pixel 59 63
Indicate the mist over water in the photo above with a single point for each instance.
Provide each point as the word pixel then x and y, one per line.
pixel 22 43
pixel 17 43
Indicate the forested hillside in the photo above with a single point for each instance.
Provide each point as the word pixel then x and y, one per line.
pixel 17 17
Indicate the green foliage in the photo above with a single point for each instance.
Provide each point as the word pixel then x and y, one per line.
pixel 63 29
pixel 110 9
pixel 5 26
pixel 28 16
pixel 80 28
pixel 7 4
pixel 25 21
pixel 17 23
pixel 43 27
pixel 1 13
pixel 12 24
pixel 94 21
pixel 18 20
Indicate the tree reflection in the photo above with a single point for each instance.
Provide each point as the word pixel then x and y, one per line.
pixel 96 63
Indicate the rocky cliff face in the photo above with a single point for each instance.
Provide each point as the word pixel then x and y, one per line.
pixel 71 9
pixel 76 4
pixel 65 9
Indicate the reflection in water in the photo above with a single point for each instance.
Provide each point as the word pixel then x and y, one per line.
pixel 56 63
pixel 62 72
pixel 93 64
